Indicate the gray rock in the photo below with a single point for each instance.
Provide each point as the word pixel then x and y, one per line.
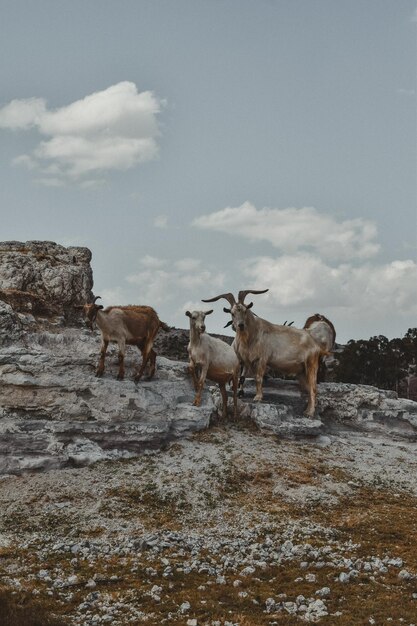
pixel 344 578
pixel 185 607
pixel 10 324
pixel 323 592
pixel 47 269
pixel 367 408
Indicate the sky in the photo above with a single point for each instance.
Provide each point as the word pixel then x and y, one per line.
pixel 199 147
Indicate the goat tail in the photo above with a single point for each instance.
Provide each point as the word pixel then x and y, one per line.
pixel 164 326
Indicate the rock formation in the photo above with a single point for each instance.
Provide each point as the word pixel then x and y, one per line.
pixel 55 413
pixel 44 278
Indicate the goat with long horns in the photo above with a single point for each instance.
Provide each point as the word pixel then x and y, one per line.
pixel 260 344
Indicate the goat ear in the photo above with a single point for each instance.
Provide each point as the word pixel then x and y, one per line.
pixel 227 310
pixel 208 312
pixel 229 323
pixel 100 306
pixel 188 314
pixel 249 306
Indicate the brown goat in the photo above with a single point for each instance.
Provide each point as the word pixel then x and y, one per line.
pixel 126 325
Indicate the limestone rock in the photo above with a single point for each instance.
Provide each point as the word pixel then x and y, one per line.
pixel 44 275
pixel 367 408
pixel 10 325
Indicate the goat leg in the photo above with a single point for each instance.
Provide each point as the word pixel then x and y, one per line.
pixel 200 385
pixel 121 374
pixel 259 378
pixel 311 375
pixel 241 392
pixel 235 386
pixel 145 356
pixel 122 350
pixel 224 400
pixel 100 366
pixel 152 364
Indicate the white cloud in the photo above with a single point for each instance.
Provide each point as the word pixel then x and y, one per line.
pixel 194 305
pixel 293 229
pixel 22 114
pixel 161 221
pixel 160 280
pixel 113 129
pixel 304 282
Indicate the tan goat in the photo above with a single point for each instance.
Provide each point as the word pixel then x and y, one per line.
pixel 125 325
pixel 260 344
pixel 324 333
pixel 211 358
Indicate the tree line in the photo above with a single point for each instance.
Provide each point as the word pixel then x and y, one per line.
pixel 378 361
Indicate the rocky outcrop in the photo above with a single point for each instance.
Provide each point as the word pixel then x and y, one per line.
pixel 55 413
pixel 44 278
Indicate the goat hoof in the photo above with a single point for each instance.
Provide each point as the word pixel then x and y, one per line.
pixel 99 374
pixel 119 377
pixel 241 394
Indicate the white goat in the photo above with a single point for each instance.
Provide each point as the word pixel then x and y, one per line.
pixel 211 358
pixel 260 344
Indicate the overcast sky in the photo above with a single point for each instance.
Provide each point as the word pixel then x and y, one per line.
pixel 205 146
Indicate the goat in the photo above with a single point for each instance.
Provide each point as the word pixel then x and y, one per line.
pixel 260 344
pixel 131 325
pixel 324 333
pixel 215 359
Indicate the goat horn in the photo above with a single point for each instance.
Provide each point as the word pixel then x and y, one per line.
pixel 227 296
pixel 242 294
pixel 96 298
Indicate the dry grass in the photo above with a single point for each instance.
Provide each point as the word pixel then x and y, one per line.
pixel 377 522
pixel 20 609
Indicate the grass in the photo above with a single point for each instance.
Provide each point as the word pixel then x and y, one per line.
pixel 371 521
pixel 20 609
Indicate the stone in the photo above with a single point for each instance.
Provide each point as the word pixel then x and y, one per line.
pixel 48 270
pixel 324 592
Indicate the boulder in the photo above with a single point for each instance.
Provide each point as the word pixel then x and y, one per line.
pixel 43 277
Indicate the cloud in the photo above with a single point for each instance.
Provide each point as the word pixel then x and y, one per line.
pixel 161 221
pixel 113 129
pixel 160 280
pixel 305 281
pixel 293 229
pixel 22 114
